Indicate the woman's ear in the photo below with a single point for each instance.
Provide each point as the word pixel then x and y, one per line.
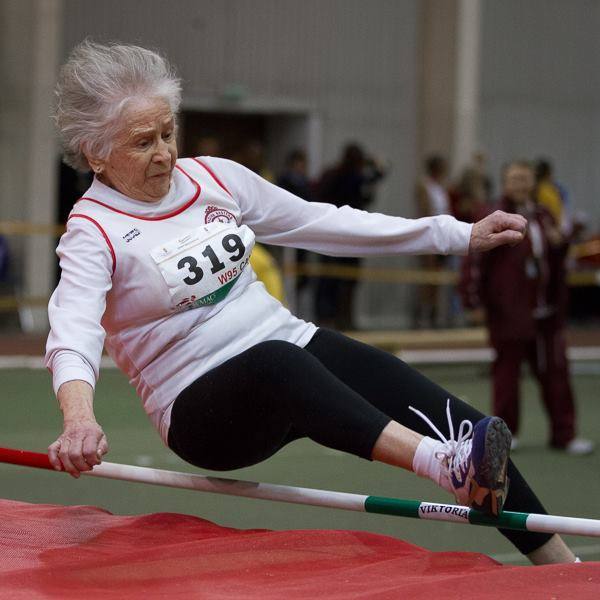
pixel 96 164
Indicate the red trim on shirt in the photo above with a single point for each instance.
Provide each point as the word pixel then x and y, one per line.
pixel 159 218
pixel 212 174
pixel 110 246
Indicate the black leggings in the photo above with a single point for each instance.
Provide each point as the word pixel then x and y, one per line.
pixel 336 391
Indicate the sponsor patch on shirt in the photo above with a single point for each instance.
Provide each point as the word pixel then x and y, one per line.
pixel 130 235
pixel 214 213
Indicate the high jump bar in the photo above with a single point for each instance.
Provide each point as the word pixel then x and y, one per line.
pixel 415 509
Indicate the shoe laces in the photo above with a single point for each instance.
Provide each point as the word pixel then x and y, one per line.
pixel 455 452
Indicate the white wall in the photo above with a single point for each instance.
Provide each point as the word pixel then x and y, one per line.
pixel 541 89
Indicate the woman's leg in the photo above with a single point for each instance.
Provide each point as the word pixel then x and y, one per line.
pixel 246 409
pixel 392 386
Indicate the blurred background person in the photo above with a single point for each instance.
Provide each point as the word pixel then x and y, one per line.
pixel 266 261
pixel 570 224
pixel 267 270
pixel 480 165
pixel 4 260
pixel 521 291
pixel 472 191
pixel 352 181
pixel 252 156
pixel 432 198
pixel 469 196
pixel 209 145
pixel 7 286
pixel 294 178
pixel 552 195
pixel 432 194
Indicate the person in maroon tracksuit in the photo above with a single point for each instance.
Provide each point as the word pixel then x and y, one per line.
pixel 522 290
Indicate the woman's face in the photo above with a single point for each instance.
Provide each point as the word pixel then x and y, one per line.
pixel 519 183
pixel 144 152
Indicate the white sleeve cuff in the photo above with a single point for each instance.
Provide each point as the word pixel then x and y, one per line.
pixel 456 233
pixel 69 366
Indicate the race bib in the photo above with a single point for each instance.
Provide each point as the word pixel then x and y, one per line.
pixel 202 266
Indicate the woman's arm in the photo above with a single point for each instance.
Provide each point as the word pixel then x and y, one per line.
pixel 278 217
pixel 75 342
pixel 82 443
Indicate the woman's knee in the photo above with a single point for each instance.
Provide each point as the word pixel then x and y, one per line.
pixel 276 348
pixel 276 357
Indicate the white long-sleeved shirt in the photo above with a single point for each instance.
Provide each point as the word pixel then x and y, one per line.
pixel 111 287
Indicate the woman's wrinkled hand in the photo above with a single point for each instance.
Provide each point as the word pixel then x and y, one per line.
pixel 80 447
pixel 497 229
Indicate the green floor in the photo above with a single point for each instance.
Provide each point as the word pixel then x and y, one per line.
pixel 31 420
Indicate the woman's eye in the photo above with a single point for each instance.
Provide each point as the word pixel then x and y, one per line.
pixel 143 144
pixel 168 135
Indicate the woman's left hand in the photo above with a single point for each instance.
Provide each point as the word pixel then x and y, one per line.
pixel 497 229
pixel 80 447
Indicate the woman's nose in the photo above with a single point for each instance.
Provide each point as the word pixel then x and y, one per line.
pixel 162 152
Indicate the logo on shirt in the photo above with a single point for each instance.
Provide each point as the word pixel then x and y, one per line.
pixel 130 235
pixel 220 215
pixel 186 302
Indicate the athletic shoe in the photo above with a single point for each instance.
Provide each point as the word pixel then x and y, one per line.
pixel 488 462
pixel 579 447
pixel 475 463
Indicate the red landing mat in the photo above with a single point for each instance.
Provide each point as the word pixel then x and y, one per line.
pixel 85 553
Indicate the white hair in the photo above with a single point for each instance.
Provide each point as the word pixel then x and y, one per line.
pixel 96 84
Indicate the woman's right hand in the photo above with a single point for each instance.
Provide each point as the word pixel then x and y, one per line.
pixel 80 447
pixel 497 229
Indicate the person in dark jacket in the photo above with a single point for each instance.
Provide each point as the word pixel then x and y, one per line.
pixel 521 291
pixel 351 182
pixel 295 180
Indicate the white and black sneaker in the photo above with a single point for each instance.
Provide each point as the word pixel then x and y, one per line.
pixel 475 462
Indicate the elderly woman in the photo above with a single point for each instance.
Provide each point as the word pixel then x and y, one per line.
pixel 156 258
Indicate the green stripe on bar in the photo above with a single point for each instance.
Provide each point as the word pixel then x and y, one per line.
pixel 392 506
pixel 506 520
pixel 410 508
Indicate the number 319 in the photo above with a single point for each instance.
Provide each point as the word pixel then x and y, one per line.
pixel 231 243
